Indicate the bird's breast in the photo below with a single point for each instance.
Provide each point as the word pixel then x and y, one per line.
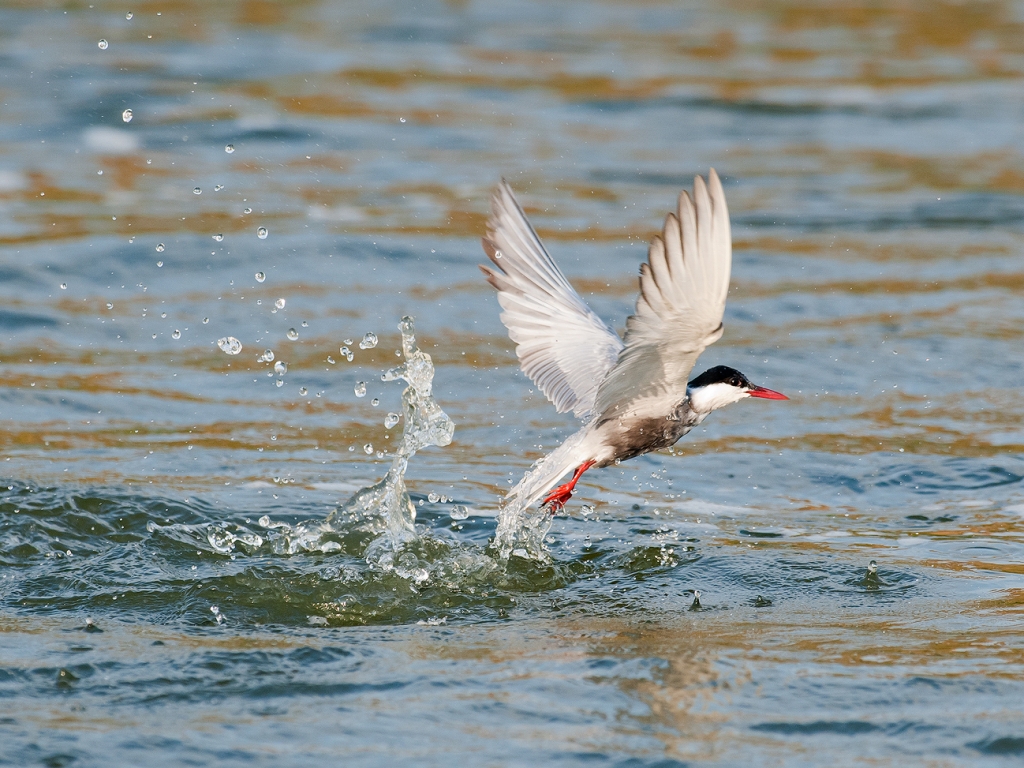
pixel 633 435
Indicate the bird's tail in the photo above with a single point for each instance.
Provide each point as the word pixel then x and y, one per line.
pixel 543 476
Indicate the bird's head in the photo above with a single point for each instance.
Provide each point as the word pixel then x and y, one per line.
pixel 721 386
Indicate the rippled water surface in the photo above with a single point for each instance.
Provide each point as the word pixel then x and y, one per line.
pixel 296 175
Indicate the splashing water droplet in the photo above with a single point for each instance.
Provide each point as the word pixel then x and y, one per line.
pixel 360 389
pixel 375 402
pixel 109 305
pixel 368 449
pixel 281 367
pixel 391 420
pixel 127 115
pixel 229 148
pixel 587 509
pixel 268 355
pixel 63 286
pixel 176 335
pixel 247 211
pixel 401 119
pixel 303 391
pixel 305 324
pixel 261 233
pixel 197 191
pixel 218 238
pixel 292 334
pixel 459 512
pixel 159 247
pixel 129 15
pixel 280 303
pixel 433 498
pixel 369 341
pixel 347 342
pixel 206 320
pixel 331 360
pixel 218 187
pixel 279 382
pixel 260 277
pixel 229 345
pixel 159 263
pixel 103 45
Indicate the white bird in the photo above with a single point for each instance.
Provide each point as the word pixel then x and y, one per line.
pixel 632 394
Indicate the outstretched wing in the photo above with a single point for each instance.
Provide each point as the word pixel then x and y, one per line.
pixel 679 310
pixel 562 345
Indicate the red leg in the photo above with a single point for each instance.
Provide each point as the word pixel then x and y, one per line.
pixel 558 497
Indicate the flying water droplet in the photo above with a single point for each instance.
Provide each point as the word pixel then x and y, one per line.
pixel 280 303
pixel 109 305
pixel 292 334
pixel 368 449
pixel 360 389
pixel 261 233
pixel 218 187
pixel 247 211
pixel 459 512
pixel 103 45
pixel 346 353
pixel 197 191
pixel 129 15
pixel 127 115
pixel 303 391
pixel 375 402
pixel 63 286
pixel 391 420
pixel 305 324
pixel 176 335
pixel 229 148
pixel 433 498
pixel 260 277
pixel 347 342
pixel 587 509
pixel 331 360
pixel 218 238
pixel 280 382
pixel 159 247
pixel 206 320
pixel 229 345
pixel 159 263
pixel 281 367
pixel 268 355
pixel 369 341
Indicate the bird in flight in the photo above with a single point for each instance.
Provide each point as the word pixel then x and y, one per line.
pixel 632 394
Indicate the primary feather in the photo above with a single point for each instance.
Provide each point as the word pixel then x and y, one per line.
pixel 562 345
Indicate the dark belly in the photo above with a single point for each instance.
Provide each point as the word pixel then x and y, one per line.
pixel 646 435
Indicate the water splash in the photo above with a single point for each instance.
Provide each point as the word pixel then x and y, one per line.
pixel 378 522
pixel 521 530
pixel 425 424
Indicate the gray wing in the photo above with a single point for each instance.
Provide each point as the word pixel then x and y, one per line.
pixel 679 310
pixel 562 345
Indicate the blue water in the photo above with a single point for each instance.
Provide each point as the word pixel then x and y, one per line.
pixel 150 611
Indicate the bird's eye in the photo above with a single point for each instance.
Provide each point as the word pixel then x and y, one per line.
pixel 735 382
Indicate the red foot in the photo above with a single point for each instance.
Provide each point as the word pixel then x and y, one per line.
pixel 558 497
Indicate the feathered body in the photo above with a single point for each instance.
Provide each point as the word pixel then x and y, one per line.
pixel 631 393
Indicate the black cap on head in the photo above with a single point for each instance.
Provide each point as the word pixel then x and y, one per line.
pixel 721 374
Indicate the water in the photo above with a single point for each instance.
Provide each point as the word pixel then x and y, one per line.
pixel 872 160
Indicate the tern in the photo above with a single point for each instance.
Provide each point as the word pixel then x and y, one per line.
pixel 632 393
